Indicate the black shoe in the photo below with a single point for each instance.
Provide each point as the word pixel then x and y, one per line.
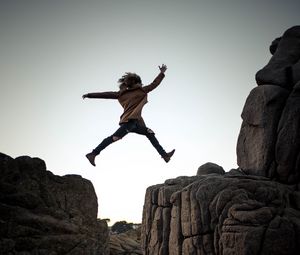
pixel 91 157
pixel 168 156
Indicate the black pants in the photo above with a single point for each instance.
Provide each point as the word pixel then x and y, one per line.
pixel 128 127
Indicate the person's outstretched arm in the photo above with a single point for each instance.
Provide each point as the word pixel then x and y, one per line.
pixel 104 95
pixel 157 80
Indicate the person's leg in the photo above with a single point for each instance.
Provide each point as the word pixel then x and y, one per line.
pixel 142 130
pixel 123 130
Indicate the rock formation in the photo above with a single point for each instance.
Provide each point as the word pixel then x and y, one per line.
pixel 127 243
pixel 254 209
pixel 41 213
pixel 269 140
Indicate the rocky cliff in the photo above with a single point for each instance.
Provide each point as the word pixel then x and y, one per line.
pixel 269 140
pixel 41 213
pixel 254 209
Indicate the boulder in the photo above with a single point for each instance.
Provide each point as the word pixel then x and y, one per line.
pixel 283 68
pixel 126 243
pixel 258 134
pixel 42 213
pixel 287 153
pixel 210 168
pixel 269 140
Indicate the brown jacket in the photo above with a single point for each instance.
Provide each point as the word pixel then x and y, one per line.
pixel 132 100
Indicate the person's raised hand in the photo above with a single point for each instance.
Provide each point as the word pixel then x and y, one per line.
pixel 162 68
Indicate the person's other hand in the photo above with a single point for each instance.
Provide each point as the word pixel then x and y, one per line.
pixel 162 68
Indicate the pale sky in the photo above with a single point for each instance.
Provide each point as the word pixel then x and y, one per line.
pixel 52 52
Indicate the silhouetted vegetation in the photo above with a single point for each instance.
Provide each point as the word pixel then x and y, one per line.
pixel 121 227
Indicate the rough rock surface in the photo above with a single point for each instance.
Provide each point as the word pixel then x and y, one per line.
pixel 269 140
pixel 221 214
pixel 41 213
pixel 128 243
pixel 258 134
pixel 283 68
pixel 254 209
pixel 210 168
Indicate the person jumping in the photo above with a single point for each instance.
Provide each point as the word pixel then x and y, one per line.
pixel 132 96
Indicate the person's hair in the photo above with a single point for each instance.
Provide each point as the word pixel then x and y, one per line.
pixel 129 79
